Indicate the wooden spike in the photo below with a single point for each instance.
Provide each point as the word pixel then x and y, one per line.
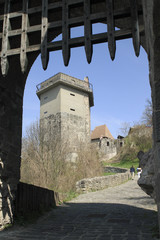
pixel 111 29
pixel 135 27
pixel 88 31
pixel 5 40
pixel 24 37
pixel 65 33
pixel 44 34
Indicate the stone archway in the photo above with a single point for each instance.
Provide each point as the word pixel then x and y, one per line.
pixel 12 85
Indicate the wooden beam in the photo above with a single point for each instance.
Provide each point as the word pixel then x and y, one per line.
pixel 44 35
pixel 5 40
pixel 111 28
pixel 88 30
pixel 34 10
pixel 73 22
pixel 65 33
pixel 135 27
pixel 24 37
pixel 75 42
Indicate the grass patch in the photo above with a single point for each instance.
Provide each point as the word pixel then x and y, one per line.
pixel 70 195
pixel 125 163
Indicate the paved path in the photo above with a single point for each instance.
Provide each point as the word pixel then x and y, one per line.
pixel 124 212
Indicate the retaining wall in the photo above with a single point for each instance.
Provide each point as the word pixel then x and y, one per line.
pixel 98 183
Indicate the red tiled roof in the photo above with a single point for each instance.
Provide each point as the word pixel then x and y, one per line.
pixel 101 131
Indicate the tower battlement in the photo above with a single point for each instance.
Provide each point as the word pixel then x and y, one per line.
pixel 64 79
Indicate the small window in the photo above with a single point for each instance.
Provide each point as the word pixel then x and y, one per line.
pixel 72 109
pixel 108 144
pixel 45 112
pixel 72 94
pixel 45 98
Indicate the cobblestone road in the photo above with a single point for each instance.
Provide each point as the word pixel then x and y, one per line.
pixel 124 212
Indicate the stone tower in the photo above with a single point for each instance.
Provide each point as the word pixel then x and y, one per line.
pixel 65 102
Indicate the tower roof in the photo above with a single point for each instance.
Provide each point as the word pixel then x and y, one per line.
pixel 101 131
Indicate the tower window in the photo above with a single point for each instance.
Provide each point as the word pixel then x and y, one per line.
pixel 72 109
pixel 108 144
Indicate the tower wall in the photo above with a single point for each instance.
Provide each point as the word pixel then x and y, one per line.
pixel 50 102
pixel 65 105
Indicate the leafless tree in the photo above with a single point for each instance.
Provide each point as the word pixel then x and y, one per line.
pixel 47 160
pixel 147 114
pixel 125 126
pixel 43 155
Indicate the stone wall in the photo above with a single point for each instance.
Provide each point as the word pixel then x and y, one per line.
pixel 74 128
pixel 98 183
pixel 68 127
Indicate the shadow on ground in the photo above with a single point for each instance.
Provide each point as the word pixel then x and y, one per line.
pixel 87 221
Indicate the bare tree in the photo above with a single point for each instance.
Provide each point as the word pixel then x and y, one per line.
pixel 47 160
pixel 147 114
pixel 125 126
pixel 43 155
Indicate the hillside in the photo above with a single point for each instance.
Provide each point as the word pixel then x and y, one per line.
pixel 139 139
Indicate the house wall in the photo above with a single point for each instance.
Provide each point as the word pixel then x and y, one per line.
pixel 106 147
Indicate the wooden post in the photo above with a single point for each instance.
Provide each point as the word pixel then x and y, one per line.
pixel 5 39
pixel 24 37
pixel 65 33
pixel 111 28
pixel 135 27
pixel 88 31
pixel 44 35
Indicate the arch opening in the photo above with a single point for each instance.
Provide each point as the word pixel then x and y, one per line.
pixel 111 92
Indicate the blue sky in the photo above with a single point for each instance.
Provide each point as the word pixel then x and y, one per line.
pixel 120 87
